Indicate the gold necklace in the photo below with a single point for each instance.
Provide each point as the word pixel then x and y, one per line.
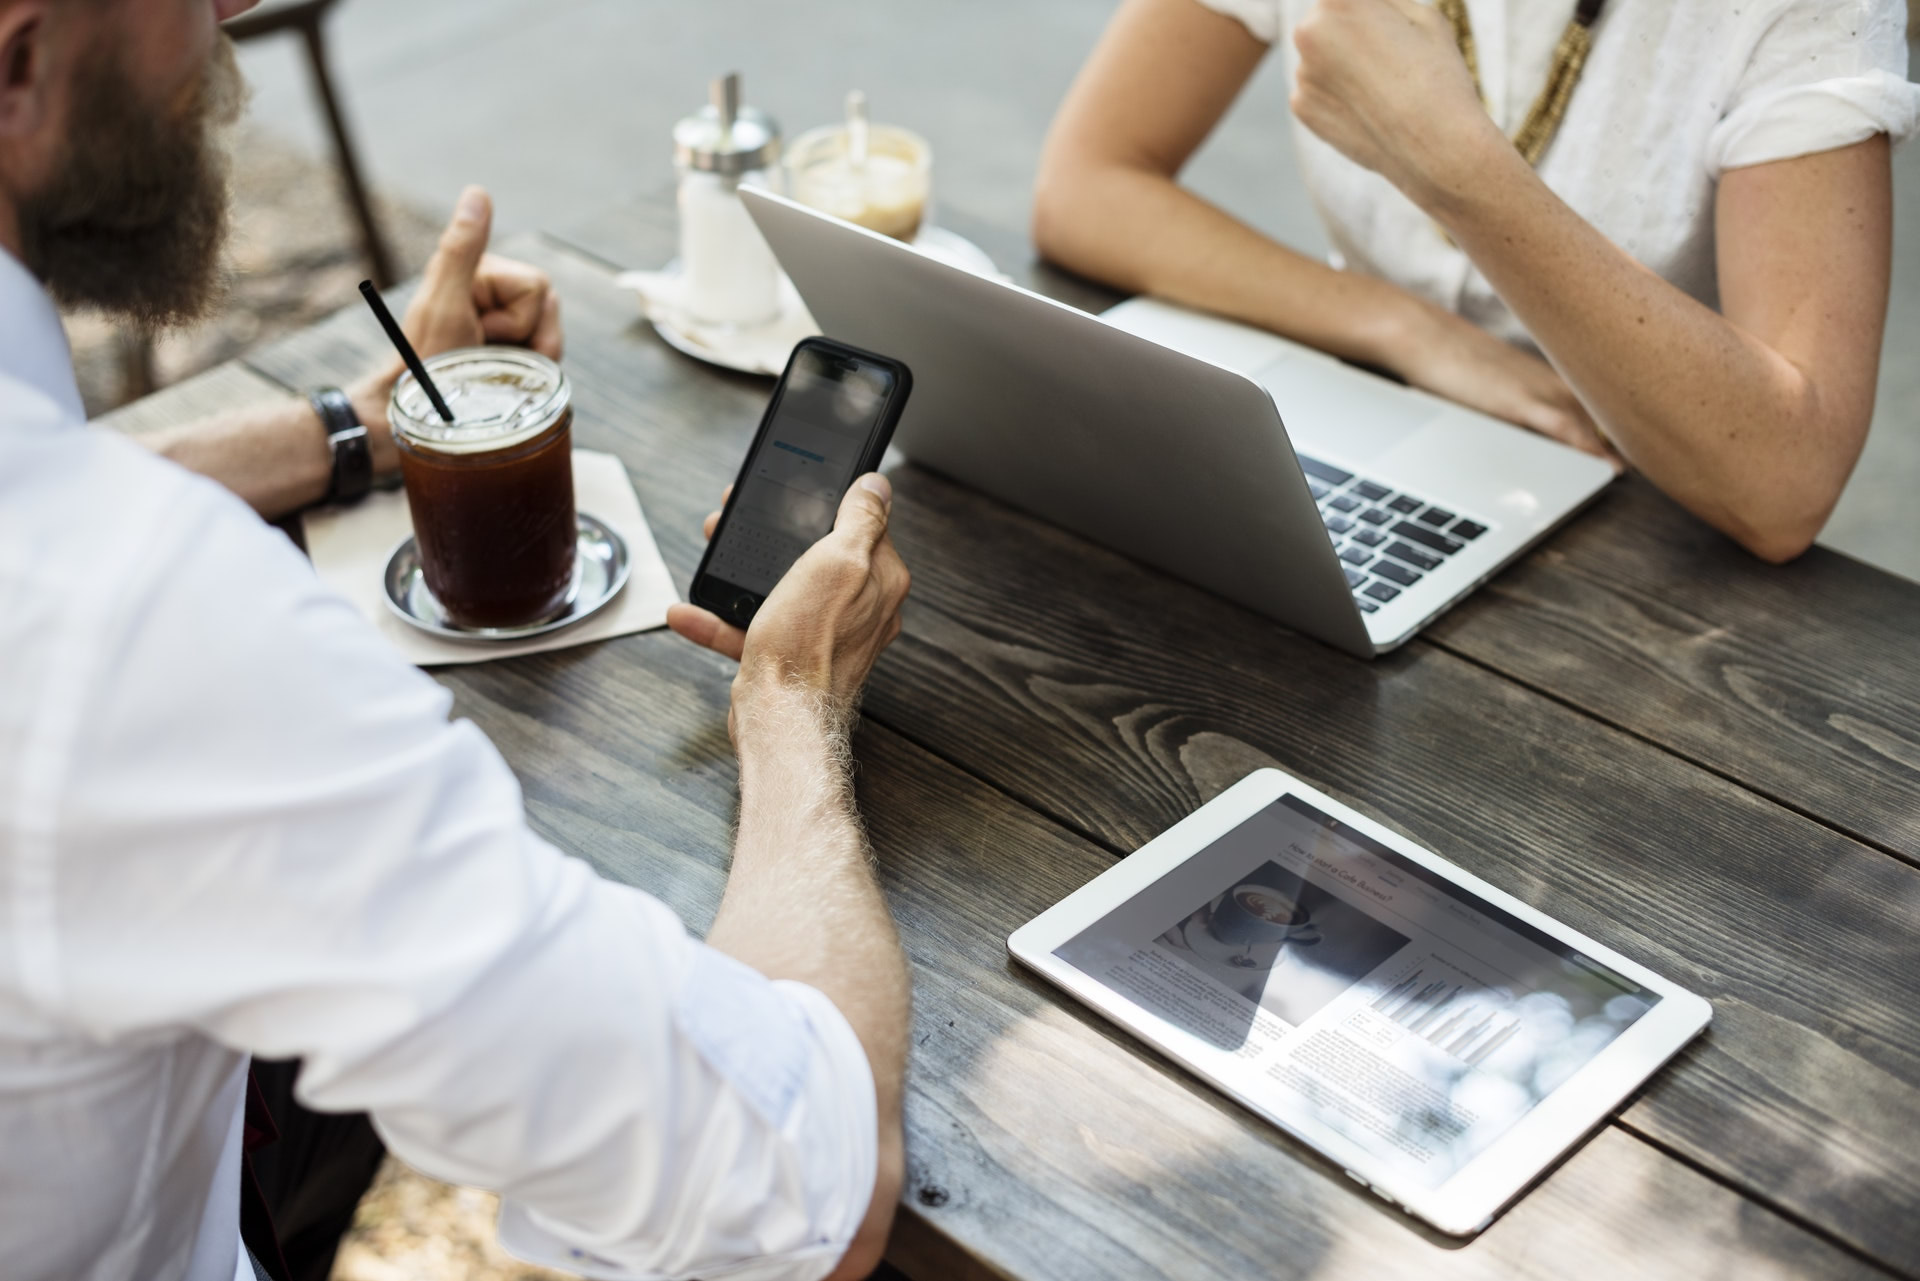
pixel 1569 60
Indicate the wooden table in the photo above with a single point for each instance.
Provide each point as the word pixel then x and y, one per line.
pixel 1709 764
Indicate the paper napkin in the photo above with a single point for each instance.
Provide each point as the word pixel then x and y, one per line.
pixel 350 546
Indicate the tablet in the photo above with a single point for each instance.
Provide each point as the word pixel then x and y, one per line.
pixel 1441 1041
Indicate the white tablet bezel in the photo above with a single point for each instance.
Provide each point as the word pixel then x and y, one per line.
pixel 1468 1201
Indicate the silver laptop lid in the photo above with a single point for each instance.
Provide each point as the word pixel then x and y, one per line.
pixel 1176 462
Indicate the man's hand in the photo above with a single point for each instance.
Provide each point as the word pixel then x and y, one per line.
pixel 1383 82
pixel 824 625
pixel 467 298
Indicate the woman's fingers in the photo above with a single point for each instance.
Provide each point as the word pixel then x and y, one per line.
pixel 1572 426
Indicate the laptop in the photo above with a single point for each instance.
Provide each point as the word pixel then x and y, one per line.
pixel 1339 503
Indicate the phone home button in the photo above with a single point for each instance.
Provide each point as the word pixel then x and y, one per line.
pixel 744 606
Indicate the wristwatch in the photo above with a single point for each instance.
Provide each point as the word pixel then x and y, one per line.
pixel 347 440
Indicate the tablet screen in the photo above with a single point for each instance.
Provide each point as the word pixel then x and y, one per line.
pixel 1349 989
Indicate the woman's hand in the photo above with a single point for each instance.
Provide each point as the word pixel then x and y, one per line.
pixel 1439 352
pixel 1383 82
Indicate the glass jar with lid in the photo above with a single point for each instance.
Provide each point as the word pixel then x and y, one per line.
pixel 729 275
pixel 491 492
pixel 879 176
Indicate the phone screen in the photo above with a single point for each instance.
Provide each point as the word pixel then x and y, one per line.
pixel 816 436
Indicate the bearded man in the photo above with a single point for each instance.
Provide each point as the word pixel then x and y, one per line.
pixel 233 823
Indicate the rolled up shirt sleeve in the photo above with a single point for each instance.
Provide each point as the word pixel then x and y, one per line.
pixel 1822 75
pixel 1261 18
pixel 270 833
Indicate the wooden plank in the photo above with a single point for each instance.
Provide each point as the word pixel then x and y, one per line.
pixel 1801 682
pixel 1805 941
pixel 1041 1143
pixel 225 387
pixel 1027 661
pixel 1024 1159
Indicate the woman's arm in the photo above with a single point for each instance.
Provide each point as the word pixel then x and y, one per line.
pixel 1108 205
pixel 1753 417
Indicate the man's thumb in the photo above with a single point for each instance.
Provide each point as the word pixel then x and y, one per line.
pixel 863 512
pixel 463 242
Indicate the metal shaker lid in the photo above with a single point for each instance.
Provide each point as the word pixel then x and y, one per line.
pixel 725 137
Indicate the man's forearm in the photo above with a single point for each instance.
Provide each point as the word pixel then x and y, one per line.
pixel 801 901
pixel 276 457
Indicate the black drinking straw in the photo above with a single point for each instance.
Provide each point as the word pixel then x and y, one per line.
pixel 405 348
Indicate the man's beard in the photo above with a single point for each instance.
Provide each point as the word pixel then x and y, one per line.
pixel 134 220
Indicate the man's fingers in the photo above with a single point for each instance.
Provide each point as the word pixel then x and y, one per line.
pixel 514 317
pixel 548 337
pixel 863 512
pixel 713 518
pixel 510 297
pixel 891 572
pixel 462 244
pixel 706 630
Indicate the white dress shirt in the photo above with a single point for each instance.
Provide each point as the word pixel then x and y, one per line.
pixel 233 822
pixel 1675 93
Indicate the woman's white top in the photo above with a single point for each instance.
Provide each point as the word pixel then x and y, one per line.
pixel 1675 93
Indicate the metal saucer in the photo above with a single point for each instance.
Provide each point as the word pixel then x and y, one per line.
pixel 600 570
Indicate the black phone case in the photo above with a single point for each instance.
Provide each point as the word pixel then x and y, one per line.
pixel 734 604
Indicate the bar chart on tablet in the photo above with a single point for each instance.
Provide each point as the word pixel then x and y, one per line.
pixel 1467 1023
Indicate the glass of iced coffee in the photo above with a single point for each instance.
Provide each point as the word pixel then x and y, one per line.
pixel 492 491
pixel 885 186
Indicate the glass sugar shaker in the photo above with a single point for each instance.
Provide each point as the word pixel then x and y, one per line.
pixel 730 277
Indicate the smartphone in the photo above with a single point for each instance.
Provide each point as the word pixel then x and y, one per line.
pixel 828 423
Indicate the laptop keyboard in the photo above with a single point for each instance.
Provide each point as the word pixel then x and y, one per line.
pixel 1388 540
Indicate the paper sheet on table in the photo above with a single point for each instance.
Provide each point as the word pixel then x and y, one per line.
pixel 350 546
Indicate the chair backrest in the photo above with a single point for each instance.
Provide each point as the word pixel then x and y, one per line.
pixel 270 17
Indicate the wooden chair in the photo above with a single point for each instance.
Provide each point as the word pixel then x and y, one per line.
pixel 308 18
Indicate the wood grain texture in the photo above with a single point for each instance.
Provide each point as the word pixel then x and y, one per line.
pixel 1116 699
pixel 1801 682
pixel 1028 658
pixel 1041 1143
pixel 226 387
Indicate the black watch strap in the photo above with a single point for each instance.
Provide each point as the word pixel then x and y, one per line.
pixel 347 439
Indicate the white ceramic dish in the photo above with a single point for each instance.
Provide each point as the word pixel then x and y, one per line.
pixel 763 349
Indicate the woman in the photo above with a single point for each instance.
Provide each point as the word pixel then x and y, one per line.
pixel 1693 279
